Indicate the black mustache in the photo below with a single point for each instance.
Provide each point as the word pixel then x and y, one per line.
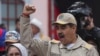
pixel 61 35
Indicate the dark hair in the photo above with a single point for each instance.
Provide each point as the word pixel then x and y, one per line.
pixel 80 8
pixel 2 26
pixel 17 20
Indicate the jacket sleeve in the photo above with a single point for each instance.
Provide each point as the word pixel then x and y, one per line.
pixel 92 52
pixel 34 47
pixel 95 32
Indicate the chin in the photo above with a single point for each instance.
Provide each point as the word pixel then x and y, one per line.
pixel 63 42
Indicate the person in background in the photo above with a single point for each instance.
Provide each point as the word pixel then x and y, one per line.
pixel 3 26
pixel 37 30
pixel 70 43
pixel 16 49
pixel 17 27
pixel 12 37
pixel 86 27
pixel 2 39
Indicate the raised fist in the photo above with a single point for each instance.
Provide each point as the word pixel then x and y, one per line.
pixel 28 10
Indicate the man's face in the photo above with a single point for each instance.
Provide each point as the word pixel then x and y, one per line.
pixel 65 33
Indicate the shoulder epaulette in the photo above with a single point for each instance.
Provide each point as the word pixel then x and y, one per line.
pixel 54 41
pixel 88 46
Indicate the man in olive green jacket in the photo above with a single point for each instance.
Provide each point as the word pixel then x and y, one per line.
pixel 70 43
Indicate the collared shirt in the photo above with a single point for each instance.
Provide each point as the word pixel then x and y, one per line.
pixel 79 48
pixel 68 46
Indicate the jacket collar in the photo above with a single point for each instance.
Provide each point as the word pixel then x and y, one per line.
pixel 79 42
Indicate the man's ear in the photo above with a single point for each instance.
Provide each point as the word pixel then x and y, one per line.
pixel 74 28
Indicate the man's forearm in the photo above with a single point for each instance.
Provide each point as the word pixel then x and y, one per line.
pixel 25 31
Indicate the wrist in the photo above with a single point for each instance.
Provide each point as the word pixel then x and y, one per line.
pixel 25 15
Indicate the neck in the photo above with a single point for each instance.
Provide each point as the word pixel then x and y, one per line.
pixel 74 38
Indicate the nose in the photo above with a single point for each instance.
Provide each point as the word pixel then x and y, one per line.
pixel 59 30
pixel 61 35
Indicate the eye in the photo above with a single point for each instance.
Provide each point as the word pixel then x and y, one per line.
pixel 11 54
pixel 63 27
pixel 17 54
pixel 56 27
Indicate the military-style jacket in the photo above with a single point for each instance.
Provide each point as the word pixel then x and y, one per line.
pixel 52 48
